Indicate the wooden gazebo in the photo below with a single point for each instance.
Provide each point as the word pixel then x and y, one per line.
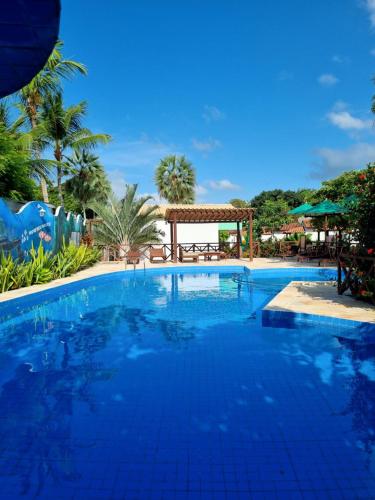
pixel 200 214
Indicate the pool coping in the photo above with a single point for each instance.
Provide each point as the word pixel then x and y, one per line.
pixel 48 290
pixel 319 299
pixel 104 268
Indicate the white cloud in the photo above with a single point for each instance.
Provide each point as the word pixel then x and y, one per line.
pixel 328 80
pixel 206 146
pixel 141 152
pixel 200 190
pixel 223 185
pixel 345 121
pixel 340 59
pixel 332 162
pixel 370 6
pixel 212 114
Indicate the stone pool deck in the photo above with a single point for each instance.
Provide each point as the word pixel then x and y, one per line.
pixel 321 299
pixel 308 298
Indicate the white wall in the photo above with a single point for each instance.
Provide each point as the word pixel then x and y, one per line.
pixel 191 233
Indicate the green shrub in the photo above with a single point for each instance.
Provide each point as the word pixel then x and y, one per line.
pixel 44 267
pixel 269 248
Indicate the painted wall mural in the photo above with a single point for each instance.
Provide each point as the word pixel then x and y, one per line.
pixel 35 223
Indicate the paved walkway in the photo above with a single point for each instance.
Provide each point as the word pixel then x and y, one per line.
pixel 320 298
pixel 309 298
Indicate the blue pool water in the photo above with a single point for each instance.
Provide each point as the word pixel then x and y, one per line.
pixel 176 385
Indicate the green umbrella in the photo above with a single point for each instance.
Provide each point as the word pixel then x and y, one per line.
pixel 350 200
pixel 300 210
pixel 326 207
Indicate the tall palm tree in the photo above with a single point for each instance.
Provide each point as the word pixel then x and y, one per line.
pixel 89 181
pixel 175 179
pixel 61 130
pixel 46 81
pixel 126 223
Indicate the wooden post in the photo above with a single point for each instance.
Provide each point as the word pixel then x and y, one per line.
pixel 238 241
pixel 171 229
pixel 174 239
pixel 251 253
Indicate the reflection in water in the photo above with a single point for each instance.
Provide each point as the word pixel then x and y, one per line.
pixel 238 387
pixel 361 404
pixel 37 406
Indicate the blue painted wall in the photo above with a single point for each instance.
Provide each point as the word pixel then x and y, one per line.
pixel 35 223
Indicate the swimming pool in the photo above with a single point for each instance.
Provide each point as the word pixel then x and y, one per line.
pixel 172 384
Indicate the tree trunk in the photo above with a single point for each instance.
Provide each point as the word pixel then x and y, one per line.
pixel 44 189
pixel 59 186
pixel 33 120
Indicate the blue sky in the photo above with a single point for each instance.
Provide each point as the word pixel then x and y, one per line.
pixel 258 94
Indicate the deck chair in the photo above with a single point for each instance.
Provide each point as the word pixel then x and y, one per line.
pixel 188 256
pixel 157 255
pixel 133 256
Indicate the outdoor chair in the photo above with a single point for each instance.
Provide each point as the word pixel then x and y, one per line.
pixel 133 257
pixel 157 255
pixel 188 256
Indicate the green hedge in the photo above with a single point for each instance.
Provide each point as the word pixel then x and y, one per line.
pixel 44 267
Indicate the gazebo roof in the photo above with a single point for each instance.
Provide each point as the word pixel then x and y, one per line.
pixel 204 213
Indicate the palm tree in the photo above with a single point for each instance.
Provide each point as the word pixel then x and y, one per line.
pixel 175 179
pixel 89 181
pixel 126 223
pixel 61 130
pixel 32 95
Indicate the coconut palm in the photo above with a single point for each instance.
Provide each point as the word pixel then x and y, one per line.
pixel 32 95
pixel 89 181
pixel 126 223
pixel 175 179
pixel 61 130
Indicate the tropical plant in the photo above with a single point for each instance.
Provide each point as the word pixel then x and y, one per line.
pixel 42 266
pixel 362 215
pixel 15 166
pixel 61 129
pixel 175 179
pixel 89 181
pixel 126 223
pixel 71 259
pixel 47 81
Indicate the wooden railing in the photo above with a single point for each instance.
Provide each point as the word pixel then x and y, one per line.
pixel 229 248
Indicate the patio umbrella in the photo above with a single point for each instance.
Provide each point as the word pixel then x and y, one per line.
pixel 300 210
pixel 324 209
pixel 350 200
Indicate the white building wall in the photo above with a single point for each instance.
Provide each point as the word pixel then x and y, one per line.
pixel 191 233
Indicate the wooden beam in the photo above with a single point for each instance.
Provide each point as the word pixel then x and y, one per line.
pixel 175 239
pixel 238 241
pixel 251 244
pixel 171 232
